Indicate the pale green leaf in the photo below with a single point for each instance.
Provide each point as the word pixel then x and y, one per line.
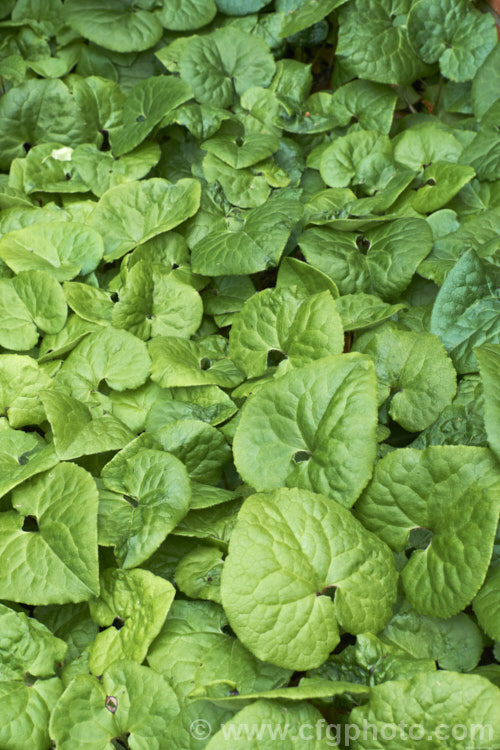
pixel 287 550
pixel 250 242
pixel 179 362
pixel 22 455
pixel 130 214
pixel 62 249
pixel 155 496
pixel 146 105
pixel 216 65
pixel 453 33
pixel 21 380
pixel 57 562
pixel 27 646
pixel 298 327
pixel 141 601
pixel 488 357
pixel 487 603
pixel 133 29
pixel 424 701
pixel 193 650
pixel 451 493
pixel 128 700
pixel 413 371
pixel 77 432
pixel 313 428
pixel 153 303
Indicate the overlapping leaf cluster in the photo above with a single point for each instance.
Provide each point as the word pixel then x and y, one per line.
pixel 249 370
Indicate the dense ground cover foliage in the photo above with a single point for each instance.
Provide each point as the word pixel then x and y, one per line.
pixel 249 373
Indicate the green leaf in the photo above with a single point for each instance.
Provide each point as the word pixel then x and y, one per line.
pixel 485 89
pixel 275 583
pixel 100 171
pixel 327 205
pixel 242 187
pixel 239 7
pixel 427 698
pixel 286 720
pixel 140 601
pixel 153 303
pixel 201 120
pixel 309 688
pixel 462 423
pixel 89 302
pixel 30 300
pixel 393 253
pixel 486 603
pixel 55 345
pixel 179 362
pixel 62 249
pixel 43 298
pixel 450 492
pixel 466 313
pixel 13 68
pixel 198 573
pixel 309 280
pixel 27 646
pixel 370 662
pixel 25 712
pixel 488 357
pixel 453 33
pixel 371 104
pixel 440 182
pixel 181 734
pixel 57 563
pixel 21 381
pixel 127 701
pixel 250 242
pixel 207 403
pixel 42 111
pixel 130 214
pixel 226 295
pixel 99 357
pixel 71 623
pixel 426 143
pixel 364 310
pixel 156 496
pixel 241 150
pixel 46 14
pixel 193 650
pixel 146 105
pixel 361 158
pixel 225 61
pixel 304 429
pixel 76 432
pixel 378 48
pixel 17 329
pixel 478 232
pixel 133 29
pixel 206 495
pixel 200 447
pixel 283 321
pixel 414 371
pixel 185 15
pixel 382 200
pixel 308 13
pixel 213 524
pixel 22 455
pixel 483 153
pixel 51 169
pixel 455 643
